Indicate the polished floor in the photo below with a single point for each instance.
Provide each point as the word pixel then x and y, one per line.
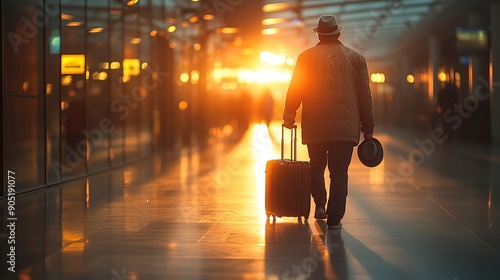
pixel 429 211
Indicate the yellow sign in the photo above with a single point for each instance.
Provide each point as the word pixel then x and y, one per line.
pixel 131 67
pixel 72 64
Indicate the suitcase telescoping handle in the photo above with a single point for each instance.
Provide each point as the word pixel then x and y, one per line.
pixel 293 142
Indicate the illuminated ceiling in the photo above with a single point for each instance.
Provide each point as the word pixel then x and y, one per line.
pixel 375 28
pixel 372 27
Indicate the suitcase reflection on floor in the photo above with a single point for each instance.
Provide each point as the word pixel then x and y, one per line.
pixel 304 251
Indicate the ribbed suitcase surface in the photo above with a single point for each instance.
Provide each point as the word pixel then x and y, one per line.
pixel 288 184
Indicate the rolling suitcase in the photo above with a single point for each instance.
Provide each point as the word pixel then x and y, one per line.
pixel 288 183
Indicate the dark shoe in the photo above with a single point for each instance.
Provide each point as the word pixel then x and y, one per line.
pixel 320 213
pixel 335 226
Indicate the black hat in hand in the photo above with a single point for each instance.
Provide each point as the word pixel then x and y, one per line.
pixel 370 152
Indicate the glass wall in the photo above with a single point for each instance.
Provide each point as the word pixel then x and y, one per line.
pixel 115 45
pixel 23 92
pixel 131 82
pixel 52 86
pixel 73 88
pixel 97 67
pixel 88 85
pixel 146 89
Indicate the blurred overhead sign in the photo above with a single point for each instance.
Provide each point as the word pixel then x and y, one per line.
pixel 72 64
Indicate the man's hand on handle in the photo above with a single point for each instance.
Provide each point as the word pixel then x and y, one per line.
pixel 289 120
pixel 288 124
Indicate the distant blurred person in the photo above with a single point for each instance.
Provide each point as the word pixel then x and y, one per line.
pixel 242 110
pixel 267 107
pixel 447 97
pixel 330 80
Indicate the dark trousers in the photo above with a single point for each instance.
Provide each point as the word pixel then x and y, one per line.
pixel 337 155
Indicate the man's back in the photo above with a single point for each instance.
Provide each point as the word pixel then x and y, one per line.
pixel 329 80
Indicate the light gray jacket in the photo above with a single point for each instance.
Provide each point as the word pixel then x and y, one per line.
pixel 330 80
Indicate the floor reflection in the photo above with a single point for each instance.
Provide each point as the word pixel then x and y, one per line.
pixel 288 244
pixel 201 216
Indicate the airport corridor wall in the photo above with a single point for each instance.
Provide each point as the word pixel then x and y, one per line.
pixel 87 85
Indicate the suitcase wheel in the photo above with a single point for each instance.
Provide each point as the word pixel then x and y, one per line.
pixel 269 214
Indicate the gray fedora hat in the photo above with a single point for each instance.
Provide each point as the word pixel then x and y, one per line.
pixel 370 152
pixel 327 25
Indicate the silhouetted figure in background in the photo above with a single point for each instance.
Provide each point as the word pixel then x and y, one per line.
pixel 447 98
pixel 267 107
pixel 330 80
pixel 243 111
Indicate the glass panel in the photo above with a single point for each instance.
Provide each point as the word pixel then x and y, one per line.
pixel 23 116
pixel 53 94
pixel 146 84
pixel 165 105
pixel 115 80
pixel 24 145
pixel 73 80
pixel 170 109
pixel 99 125
pixel 24 21
pixel 157 38
pixel 131 80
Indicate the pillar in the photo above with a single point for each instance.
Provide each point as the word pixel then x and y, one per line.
pixel 433 69
pixel 408 113
pixel 478 126
pixel 495 71
pixel 494 82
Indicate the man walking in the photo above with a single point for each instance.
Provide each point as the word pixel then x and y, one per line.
pixel 330 80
